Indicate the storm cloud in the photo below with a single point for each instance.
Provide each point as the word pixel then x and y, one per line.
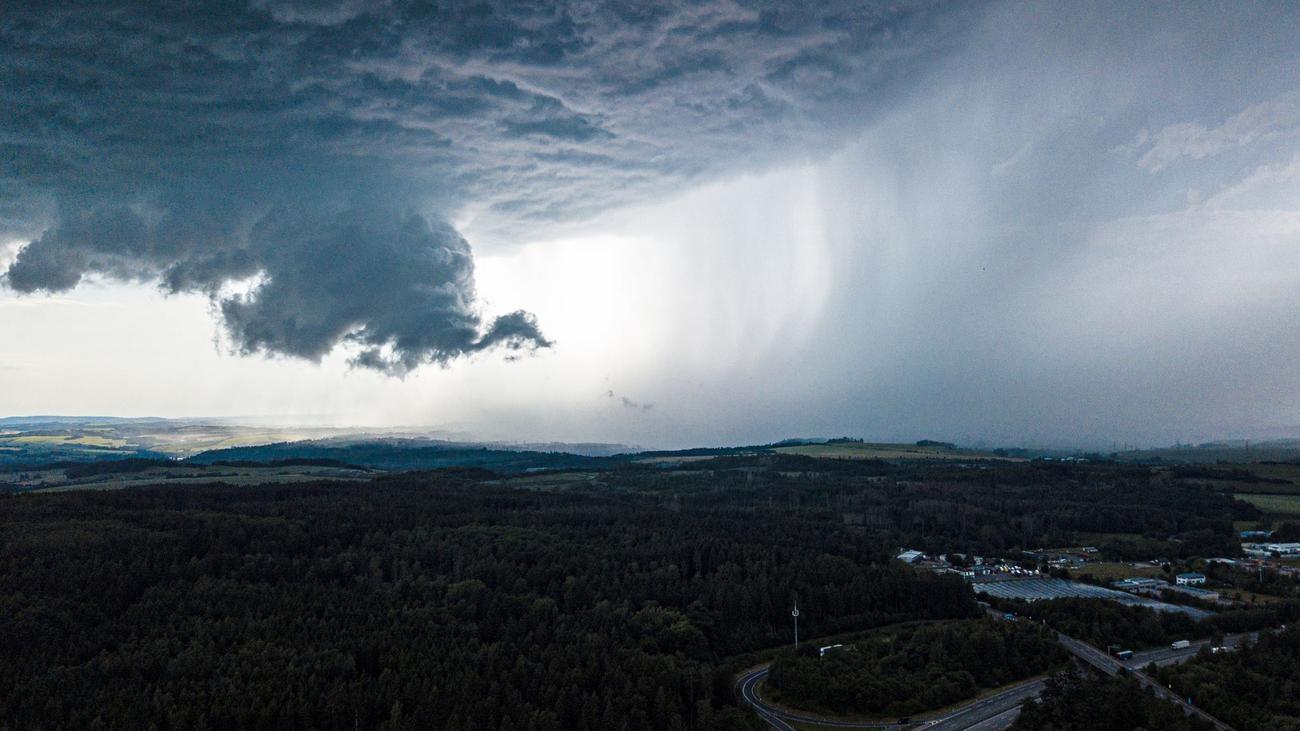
pixel 1069 223
pixel 318 149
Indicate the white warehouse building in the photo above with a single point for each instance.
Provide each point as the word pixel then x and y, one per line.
pixel 1267 550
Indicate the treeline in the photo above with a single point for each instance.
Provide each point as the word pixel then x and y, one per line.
pixel 1102 622
pixel 1229 474
pixel 1130 512
pixel 77 470
pixel 1254 686
pixel 1072 702
pixel 406 454
pixel 413 602
pixel 914 668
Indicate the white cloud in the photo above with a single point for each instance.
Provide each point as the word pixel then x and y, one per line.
pixel 1258 123
pixel 9 252
pixel 1269 186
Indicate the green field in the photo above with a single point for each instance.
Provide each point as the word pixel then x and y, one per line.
pixel 1276 471
pixel 1280 504
pixel 1112 570
pixel 85 440
pixel 54 480
pixel 865 450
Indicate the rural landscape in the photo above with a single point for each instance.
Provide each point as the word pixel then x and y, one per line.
pixel 406 579
pixel 649 365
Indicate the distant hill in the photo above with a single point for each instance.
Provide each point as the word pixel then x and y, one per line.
pixel 30 441
pixel 146 444
pixel 923 450
pixel 1233 451
pixel 406 454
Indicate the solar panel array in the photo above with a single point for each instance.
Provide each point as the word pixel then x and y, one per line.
pixel 1032 590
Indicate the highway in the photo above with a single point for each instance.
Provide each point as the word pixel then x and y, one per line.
pixel 994 713
pixel 997 723
pixel 991 713
pixel 997 711
pixel 1167 656
pixel 1110 666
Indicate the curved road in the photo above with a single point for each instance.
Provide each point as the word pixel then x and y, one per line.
pixel 997 711
pixel 990 713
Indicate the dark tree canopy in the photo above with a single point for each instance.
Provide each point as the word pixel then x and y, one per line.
pixel 914 668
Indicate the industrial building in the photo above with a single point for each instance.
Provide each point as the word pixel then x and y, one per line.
pixel 1268 550
pixel 1138 584
pixel 1205 595
pixel 910 556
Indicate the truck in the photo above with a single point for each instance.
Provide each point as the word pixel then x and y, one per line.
pixel 1180 644
pixel 821 651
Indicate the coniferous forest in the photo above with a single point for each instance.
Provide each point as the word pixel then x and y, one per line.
pixel 1073 702
pixel 622 598
pixel 915 668
pixel 1256 686
pixel 413 602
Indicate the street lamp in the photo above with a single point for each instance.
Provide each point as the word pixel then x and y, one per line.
pixel 795 613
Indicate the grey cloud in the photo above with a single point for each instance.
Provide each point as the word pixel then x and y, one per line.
pixel 203 148
pixel 317 12
pixel 577 129
pixel 113 241
pixel 629 403
pixel 398 286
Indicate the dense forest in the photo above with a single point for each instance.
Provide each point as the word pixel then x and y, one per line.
pixel 408 601
pixel 1130 512
pixel 1072 702
pixel 1254 686
pixel 612 598
pixel 914 668
pixel 991 508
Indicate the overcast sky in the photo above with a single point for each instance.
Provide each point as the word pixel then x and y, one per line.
pixel 666 225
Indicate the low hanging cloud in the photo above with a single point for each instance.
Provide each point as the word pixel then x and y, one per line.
pixel 405 296
pixel 397 287
pixel 319 147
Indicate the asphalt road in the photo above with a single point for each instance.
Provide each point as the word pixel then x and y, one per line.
pixel 999 711
pixel 1168 656
pixel 991 713
pixel 999 722
pixel 778 718
pixel 1109 665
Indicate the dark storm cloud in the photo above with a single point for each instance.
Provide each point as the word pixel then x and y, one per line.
pixel 404 296
pixel 319 146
